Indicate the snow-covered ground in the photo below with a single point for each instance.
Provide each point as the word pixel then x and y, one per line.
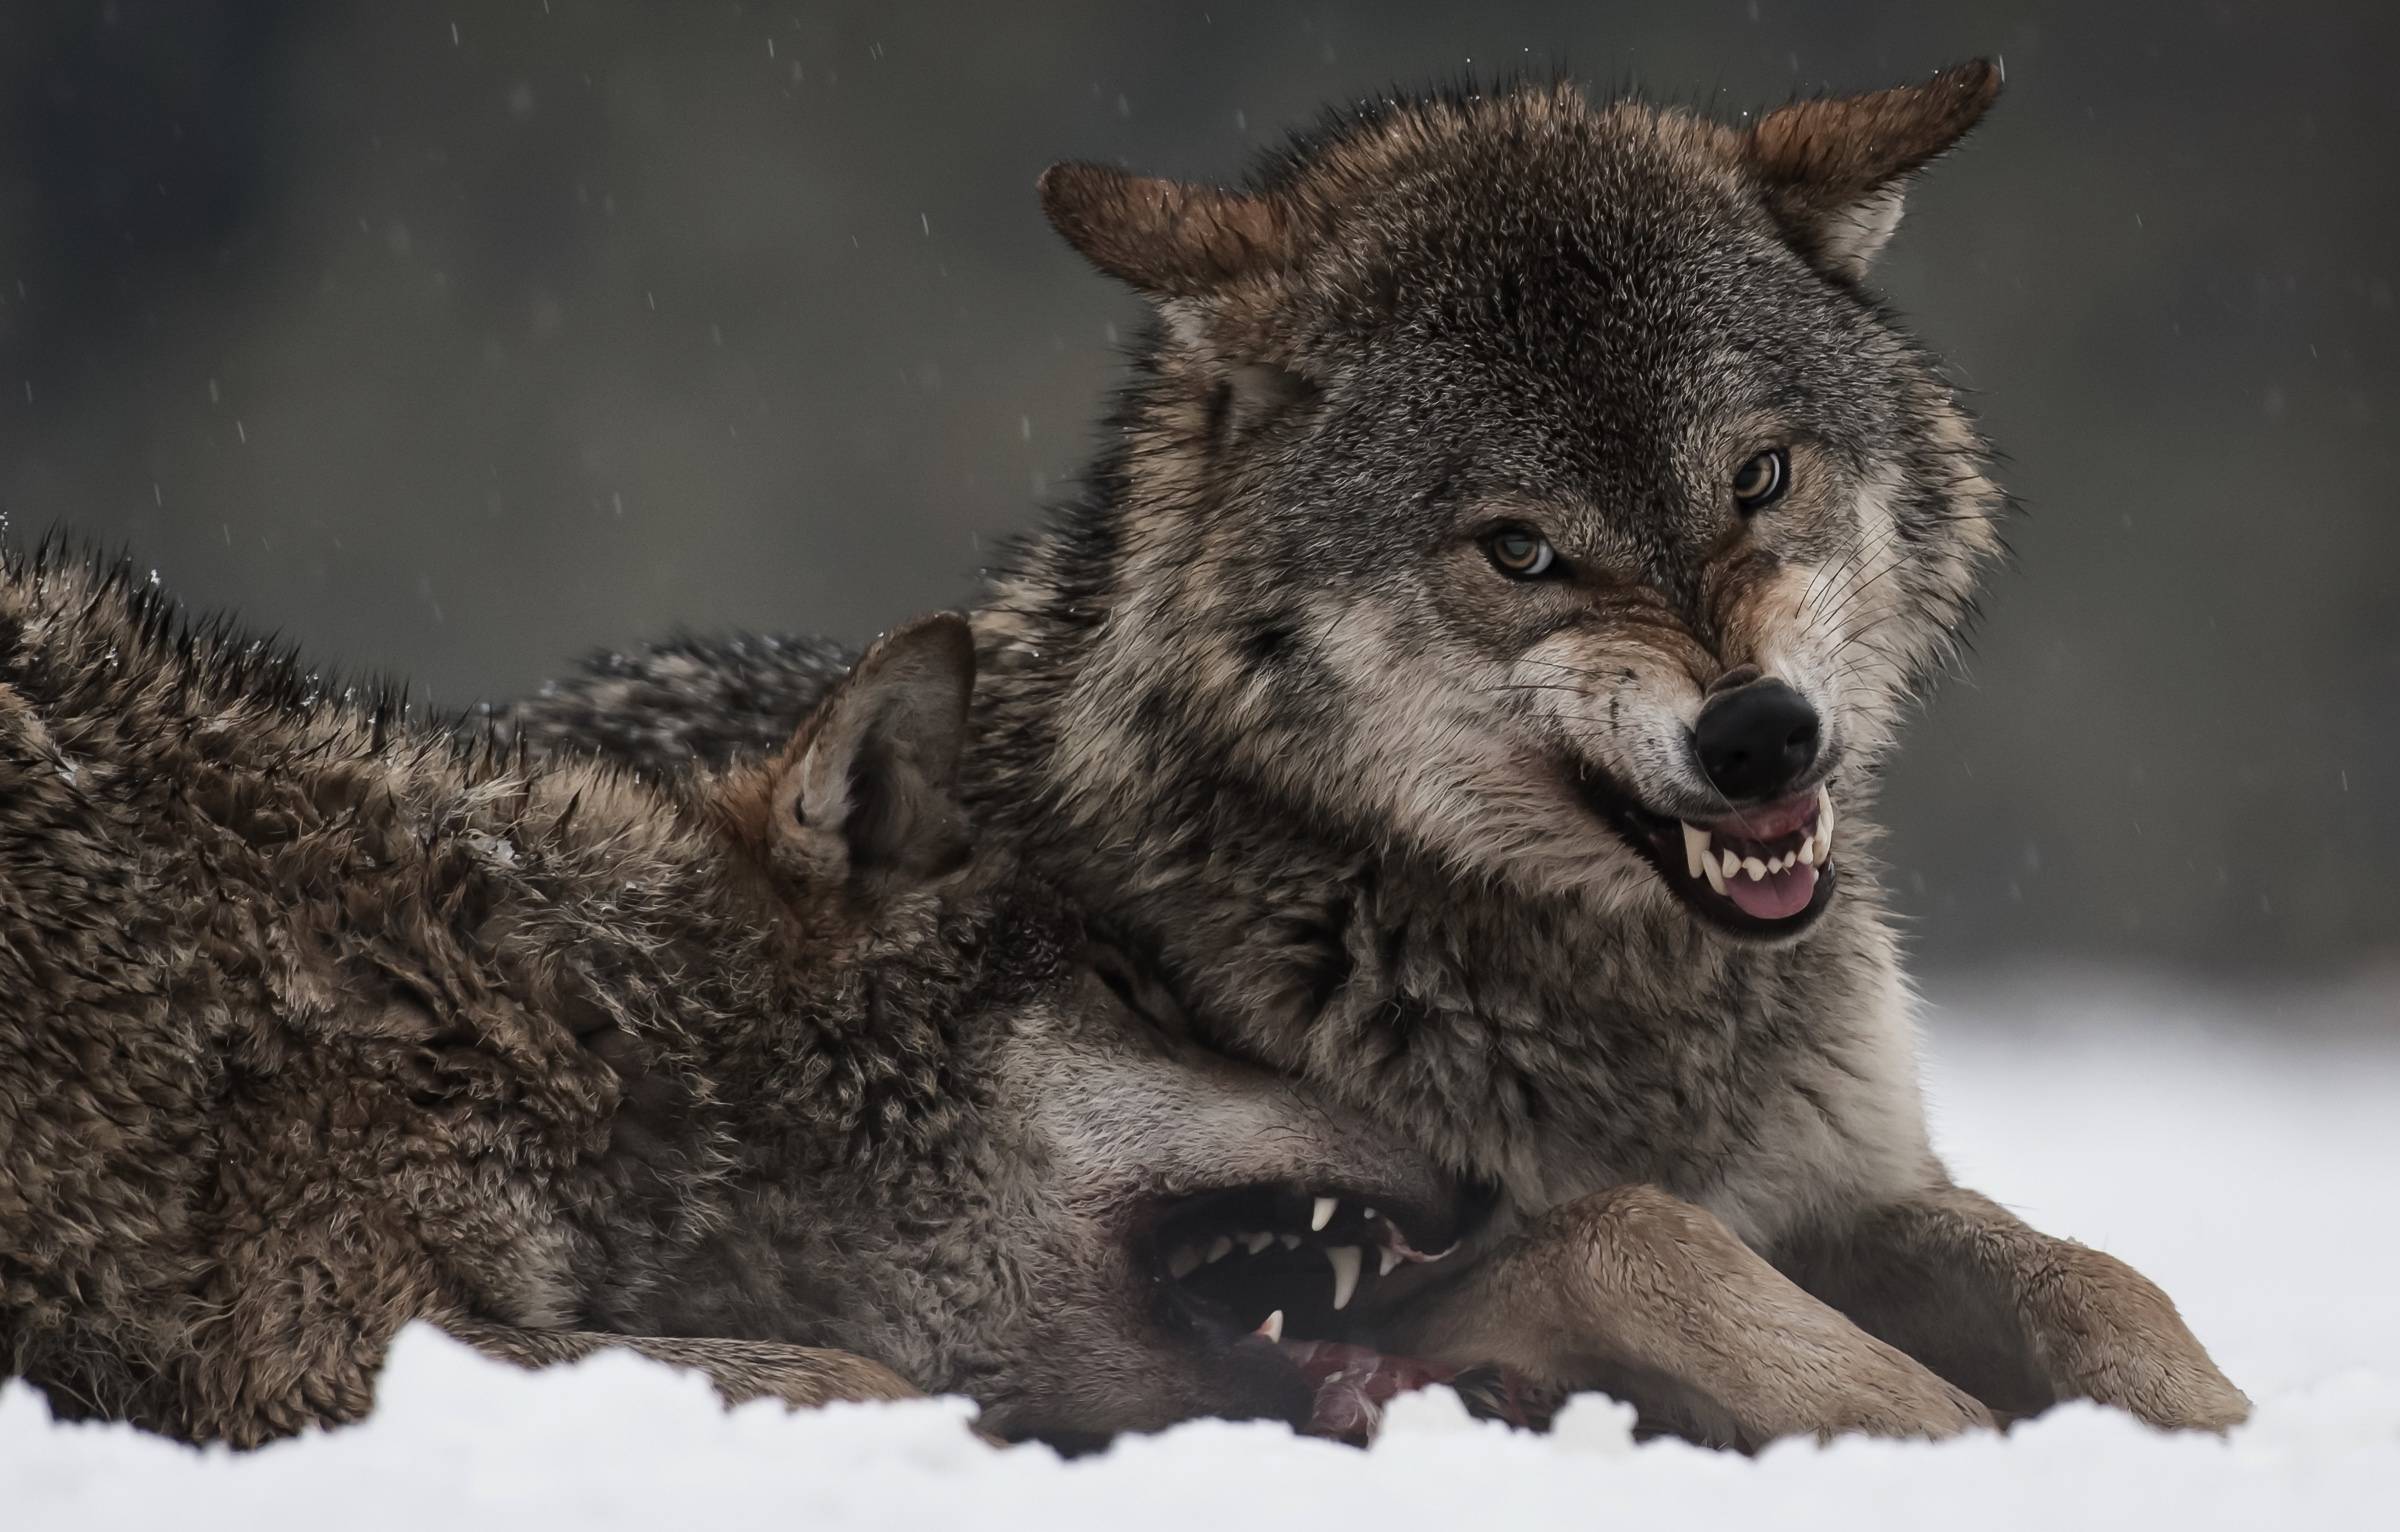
pixel 2251 1165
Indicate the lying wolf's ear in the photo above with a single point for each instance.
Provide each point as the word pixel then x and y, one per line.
pixel 1168 239
pixel 1833 170
pixel 870 788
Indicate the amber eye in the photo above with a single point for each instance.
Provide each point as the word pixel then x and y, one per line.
pixel 1520 553
pixel 1762 481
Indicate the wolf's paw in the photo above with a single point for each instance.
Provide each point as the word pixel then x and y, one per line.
pixel 1891 1397
pixel 2128 1347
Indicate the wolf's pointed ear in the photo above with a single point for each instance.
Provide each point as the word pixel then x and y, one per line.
pixel 870 787
pixel 1167 239
pixel 1833 170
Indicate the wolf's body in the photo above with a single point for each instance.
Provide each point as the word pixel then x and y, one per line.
pixel 314 1022
pixel 1402 802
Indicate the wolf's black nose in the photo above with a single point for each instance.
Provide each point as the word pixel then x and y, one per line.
pixel 1757 740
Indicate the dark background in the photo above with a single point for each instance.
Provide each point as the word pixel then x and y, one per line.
pixel 453 340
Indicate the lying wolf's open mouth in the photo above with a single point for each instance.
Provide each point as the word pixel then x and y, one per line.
pixel 1282 1267
pixel 1762 872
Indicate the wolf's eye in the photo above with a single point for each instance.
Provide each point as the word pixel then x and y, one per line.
pixel 1761 482
pixel 1520 554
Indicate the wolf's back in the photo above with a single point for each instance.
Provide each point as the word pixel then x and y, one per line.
pixel 672 706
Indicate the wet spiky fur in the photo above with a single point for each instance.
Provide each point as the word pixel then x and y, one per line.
pixel 315 1020
pixel 1263 696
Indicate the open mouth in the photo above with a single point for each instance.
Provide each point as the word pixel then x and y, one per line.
pixel 1762 872
pixel 1297 1270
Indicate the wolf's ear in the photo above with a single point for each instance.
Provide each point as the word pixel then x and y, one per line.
pixel 869 789
pixel 1167 239
pixel 1833 170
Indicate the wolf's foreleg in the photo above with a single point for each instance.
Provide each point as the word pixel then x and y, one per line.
pixel 2018 1318
pixel 741 1370
pixel 1649 1297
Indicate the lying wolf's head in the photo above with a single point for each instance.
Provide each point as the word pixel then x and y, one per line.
pixel 963 1139
pixel 1534 481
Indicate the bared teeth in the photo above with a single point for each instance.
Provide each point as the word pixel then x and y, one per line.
pixel 1219 1249
pixel 1385 1260
pixel 1345 1259
pixel 1716 874
pixel 1271 1327
pixel 1824 836
pixel 1254 1243
pixel 1183 1262
pixel 1322 1214
pixel 1695 849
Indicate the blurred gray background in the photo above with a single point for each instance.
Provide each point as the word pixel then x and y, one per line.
pixel 454 340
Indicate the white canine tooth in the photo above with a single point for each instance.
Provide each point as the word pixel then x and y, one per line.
pixel 1716 875
pixel 1385 1260
pixel 1730 864
pixel 1824 823
pixel 1345 1260
pixel 1254 1243
pixel 1753 868
pixel 1219 1250
pixel 1272 1326
pixel 1366 1212
pixel 1288 1241
pixel 1183 1262
pixel 1695 848
pixel 1322 1214
pixel 1808 851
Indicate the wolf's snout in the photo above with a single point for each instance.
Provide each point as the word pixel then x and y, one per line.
pixel 1756 741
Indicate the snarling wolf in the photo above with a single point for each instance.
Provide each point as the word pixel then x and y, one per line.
pixel 315 1020
pixel 1467 673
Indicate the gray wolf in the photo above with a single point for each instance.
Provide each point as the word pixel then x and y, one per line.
pixel 1517 545
pixel 315 1020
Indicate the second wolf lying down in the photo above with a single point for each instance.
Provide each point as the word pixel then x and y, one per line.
pixel 314 1022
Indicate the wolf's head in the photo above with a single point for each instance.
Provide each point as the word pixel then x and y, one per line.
pixel 999 1158
pixel 1532 481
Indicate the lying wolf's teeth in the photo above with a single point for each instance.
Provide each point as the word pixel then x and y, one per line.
pixel 1385 1260
pixel 1729 864
pixel 1753 868
pixel 1183 1262
pixel 1345 1260
pixel 1716 874
pixel 1254 1243
pixel 1695 849
pixel 1824 823
pixel 1288 1241
pixel 1272 1326
pixel 1808 851
pixel 1222 1248
pixel 1322 1214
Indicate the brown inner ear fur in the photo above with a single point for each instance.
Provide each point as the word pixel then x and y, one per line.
pixel 1166 238
pixel 1817 158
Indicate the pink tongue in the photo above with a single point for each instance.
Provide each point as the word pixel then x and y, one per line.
pixel 1777 896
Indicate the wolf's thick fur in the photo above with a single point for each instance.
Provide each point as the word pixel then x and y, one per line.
pixel 1384 812
pixel 314 1021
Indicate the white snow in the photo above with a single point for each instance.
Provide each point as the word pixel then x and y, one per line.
pixel 2241 1148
